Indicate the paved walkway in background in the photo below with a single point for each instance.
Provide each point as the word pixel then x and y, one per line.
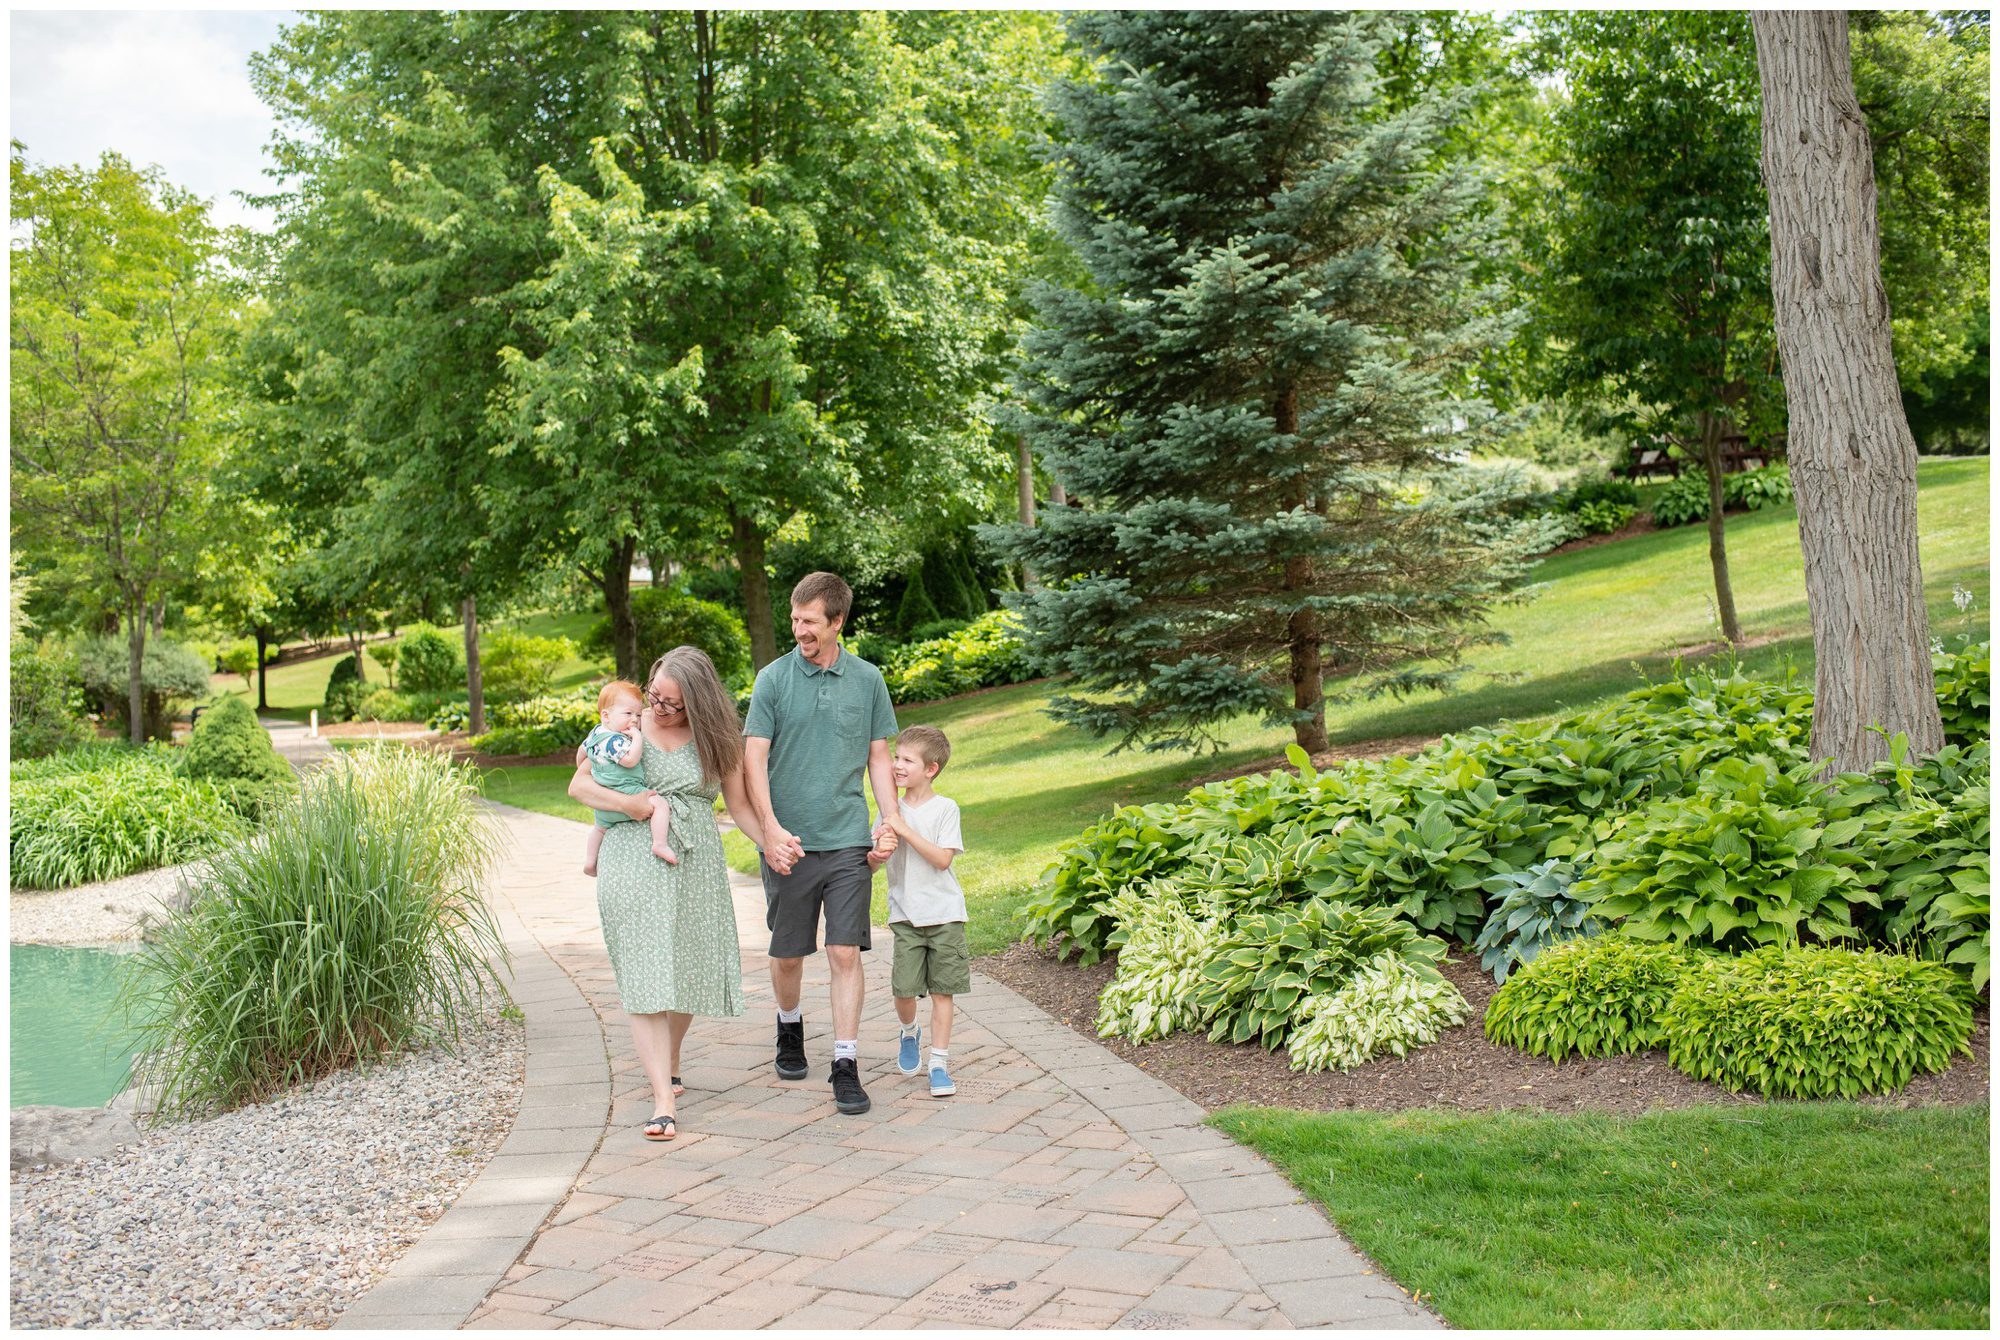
pixel 1062 1187
pixel 300 749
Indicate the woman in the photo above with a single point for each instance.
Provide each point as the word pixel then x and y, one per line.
pixel 671 929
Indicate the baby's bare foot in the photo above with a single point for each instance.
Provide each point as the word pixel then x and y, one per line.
pixel 666 854
pixel 590 867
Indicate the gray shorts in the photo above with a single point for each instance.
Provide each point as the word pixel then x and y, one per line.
pixel 838 882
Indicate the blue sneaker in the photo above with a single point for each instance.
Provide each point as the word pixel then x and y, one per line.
pixel 907 1051
pixel 941 1085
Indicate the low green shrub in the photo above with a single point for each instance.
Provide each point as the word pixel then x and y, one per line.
pixel 1389 1006
pixel 430 661
pixel 1685 498
pixel 44 702
pixel 170 676
pixel 110 813
pixel 1603 518
pixel 231 748
pixel 1792 1022
pixel 1536 910
pixel 239 658
pixel 1266 965
pixel 516 666
pixel 1602 996
pixel 540 725
pixel 1744 858
pixel 449 715
pixel 386 655
pixel 988 651
pixel 1963 671
pixel 1754 490
pixel 1599 490
pixel 1159 964
pixel 668 619
pixel 345 690
pixel 354 928
pixel 1073 909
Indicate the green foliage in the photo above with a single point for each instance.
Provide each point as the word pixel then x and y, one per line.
pixel 1536 910
pixel 169 674
pixel 1601 996
pixel 450 715
pixel 346 691
pixel 1602 518
pixel 239 658
pixel 1743 858
pixel 1268 964
pixel 1268 244
pixel 44 702
pixel 1685 498
pixel 667 619
pixel 981 654
pixel 386 655
pixel 1963 672
pixel 1791 1022
pixel 1683 501
pixel 515 665
pixel 1389 1006
pixel 540 725
pixel 432 661
pixel 231 747
pixel 1159 965
pixel 354 928
pixel 916 609
pixel 98 814
pixel 1754 490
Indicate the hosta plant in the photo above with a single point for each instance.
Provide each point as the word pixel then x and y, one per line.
pixel 1071 907
pixel 1536 910
pixel 1963 672
pixel 1266 963
pixel 1159 964
pixel 1744 859
pixel 1603 996
pixel 1387 1006
pixel 1793 1022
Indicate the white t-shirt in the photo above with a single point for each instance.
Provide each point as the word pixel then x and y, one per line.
pixel 919 892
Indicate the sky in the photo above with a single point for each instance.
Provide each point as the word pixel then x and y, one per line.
pixel 165 87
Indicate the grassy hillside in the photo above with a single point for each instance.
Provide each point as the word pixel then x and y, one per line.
pixel 1599 622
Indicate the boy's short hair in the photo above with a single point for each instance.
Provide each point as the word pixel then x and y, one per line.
pixel 835 596
pixel 616 689
pixel 928 743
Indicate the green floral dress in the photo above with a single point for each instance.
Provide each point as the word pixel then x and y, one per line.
pixel 671 929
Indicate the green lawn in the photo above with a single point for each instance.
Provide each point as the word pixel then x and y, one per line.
pixel 1788 1216
pixel 1601 621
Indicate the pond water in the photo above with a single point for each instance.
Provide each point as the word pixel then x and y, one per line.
pixel 65 1047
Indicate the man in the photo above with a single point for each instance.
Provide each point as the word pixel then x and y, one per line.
pixel 818 717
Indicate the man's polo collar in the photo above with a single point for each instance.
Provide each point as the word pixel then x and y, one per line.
pixel 838 667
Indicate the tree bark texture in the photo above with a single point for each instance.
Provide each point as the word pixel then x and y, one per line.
pixel 263 673
pixel 618 604
pixel 748 542
pixel 1718 547
pixel 1303 631
pixel 1853 459
pixel 135 681
pixel 475 682
pixel 1024 478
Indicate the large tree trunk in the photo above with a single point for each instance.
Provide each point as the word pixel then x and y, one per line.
pixel 475 681
pixel 749 545
pixel 618 604
pixel 135 679
pixel 1853 460
pixel 1024 478
pixel 1302 631
pixel 358 645
pixel 1718 551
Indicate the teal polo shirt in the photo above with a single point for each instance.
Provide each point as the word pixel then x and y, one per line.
pixel 820 723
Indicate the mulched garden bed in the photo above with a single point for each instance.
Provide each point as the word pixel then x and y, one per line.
pixel 1460 1070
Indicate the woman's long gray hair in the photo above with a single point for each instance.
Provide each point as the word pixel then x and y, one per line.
pixel 711 712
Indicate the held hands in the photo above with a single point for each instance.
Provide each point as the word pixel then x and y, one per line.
pixel 781 850
pixel 887 839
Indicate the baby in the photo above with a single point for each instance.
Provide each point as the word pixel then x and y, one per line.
pixel 615 747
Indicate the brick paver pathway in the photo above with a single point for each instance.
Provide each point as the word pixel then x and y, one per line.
pixel 1062 1187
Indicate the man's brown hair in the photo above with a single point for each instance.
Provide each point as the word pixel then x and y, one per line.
pixel 928 743
pixel 835 596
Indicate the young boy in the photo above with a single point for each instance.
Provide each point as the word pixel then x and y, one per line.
pixel 926 905
pixel 615 747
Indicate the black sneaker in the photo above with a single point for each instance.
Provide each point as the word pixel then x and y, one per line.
pixel 848 1094
pixel 792 1050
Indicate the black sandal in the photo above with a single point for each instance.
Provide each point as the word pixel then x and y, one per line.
pixel 666 1125
pixel 679 1088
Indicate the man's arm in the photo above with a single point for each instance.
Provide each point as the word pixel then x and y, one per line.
pixel 780 847
pixel 883 782
pixel 585 790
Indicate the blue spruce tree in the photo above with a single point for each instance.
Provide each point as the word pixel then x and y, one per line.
pixel 1249 400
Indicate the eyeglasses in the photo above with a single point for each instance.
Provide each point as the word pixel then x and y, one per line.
pixel 654 700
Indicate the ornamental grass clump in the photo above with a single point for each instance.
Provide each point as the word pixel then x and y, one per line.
pixel 102 813
pixel 351 928
pixel 1389 1006
pixel 1792 1022
pixel 1603 996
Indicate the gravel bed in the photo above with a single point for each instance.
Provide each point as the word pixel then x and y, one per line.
pixel 277 1215
pixel 104 913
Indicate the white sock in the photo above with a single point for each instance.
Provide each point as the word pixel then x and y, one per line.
pixel 911 1030
pixel 845 1051
pixel 790 1016
pixel 938 1059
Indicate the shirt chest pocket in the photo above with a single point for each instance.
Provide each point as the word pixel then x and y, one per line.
pixel 849 721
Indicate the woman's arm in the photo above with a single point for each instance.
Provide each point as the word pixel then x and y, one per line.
pixel 736 799
pixel 585 790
